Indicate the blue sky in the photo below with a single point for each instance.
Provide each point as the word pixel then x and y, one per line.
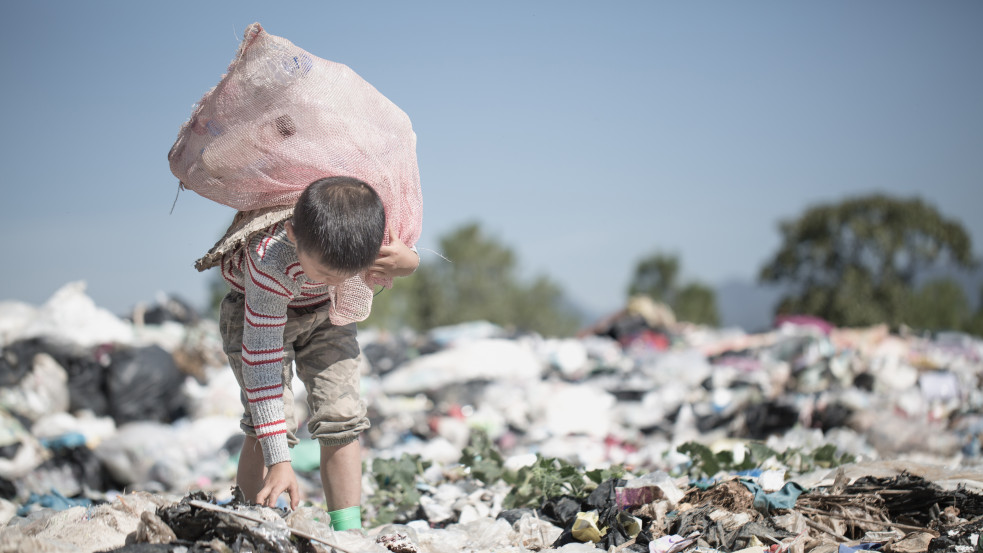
pixel 584 135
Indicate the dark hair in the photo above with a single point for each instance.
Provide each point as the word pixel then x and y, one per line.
pixel 341 221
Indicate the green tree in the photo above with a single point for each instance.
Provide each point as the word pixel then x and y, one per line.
pixel 477 281
pixel 657 276
pixel 939 305
pixel 696 303
pixel 855 263
pixel 975 323
pixel 389 307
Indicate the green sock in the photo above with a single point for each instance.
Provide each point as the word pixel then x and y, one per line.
pixel 346 519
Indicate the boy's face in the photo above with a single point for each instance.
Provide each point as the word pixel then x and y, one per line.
pixel 318 272
pixel 314 269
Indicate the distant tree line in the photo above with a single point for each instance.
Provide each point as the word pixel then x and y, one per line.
pixel 475 279
pixel 868 260
pixel 859 262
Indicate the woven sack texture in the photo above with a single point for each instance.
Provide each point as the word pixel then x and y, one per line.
pixel 281 118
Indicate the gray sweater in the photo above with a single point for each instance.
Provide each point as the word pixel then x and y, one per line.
pixel 267 272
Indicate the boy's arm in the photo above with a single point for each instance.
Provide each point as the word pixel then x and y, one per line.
pixel 395 259
pixel 262 356
pixel 280 478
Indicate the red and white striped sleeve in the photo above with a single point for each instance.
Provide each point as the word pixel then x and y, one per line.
pixel 267 292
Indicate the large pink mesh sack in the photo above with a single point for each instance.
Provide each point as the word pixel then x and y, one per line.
pixel 282 118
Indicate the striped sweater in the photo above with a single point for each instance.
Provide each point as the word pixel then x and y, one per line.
pixel 266 271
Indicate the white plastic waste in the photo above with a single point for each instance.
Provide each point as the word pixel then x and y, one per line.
pixel 654 486
pixel 43 390
pixel 71 317
pixel 491 359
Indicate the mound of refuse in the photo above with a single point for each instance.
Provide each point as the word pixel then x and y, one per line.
pixel 121 434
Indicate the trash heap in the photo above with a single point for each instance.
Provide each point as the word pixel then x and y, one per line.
pixel 122 435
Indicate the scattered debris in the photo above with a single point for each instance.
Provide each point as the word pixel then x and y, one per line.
pixel 806 438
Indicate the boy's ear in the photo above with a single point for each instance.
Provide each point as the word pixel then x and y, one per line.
pixel 290 231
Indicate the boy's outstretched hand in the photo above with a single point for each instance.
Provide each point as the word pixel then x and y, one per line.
pixel 279 478
pixel 395 260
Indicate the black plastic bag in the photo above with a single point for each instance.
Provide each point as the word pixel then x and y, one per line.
pixel 145 384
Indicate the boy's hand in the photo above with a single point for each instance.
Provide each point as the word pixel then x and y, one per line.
pixel 395 260
pixel 279 478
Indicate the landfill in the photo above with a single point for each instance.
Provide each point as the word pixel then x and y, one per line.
pixel 639 434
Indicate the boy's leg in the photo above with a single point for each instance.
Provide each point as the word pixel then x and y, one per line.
pixel 328 363
pixel 341 475
pixel 252 468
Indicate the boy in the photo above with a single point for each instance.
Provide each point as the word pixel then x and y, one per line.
pixel 286 305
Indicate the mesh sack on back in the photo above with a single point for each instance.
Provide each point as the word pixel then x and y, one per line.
pixel 282 118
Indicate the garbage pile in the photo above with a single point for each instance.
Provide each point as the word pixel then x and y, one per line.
pixel 122 435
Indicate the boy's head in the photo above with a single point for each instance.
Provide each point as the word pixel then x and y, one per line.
pixel 338 225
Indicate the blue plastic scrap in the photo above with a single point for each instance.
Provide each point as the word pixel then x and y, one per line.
pixel 766 502
pixel 53 500
pixel 860 547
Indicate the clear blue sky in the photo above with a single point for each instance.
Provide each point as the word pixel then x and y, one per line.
pixel 584 135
